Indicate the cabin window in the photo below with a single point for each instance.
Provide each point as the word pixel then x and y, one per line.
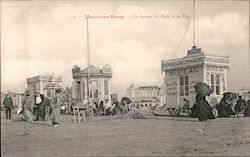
pixel 83 91
pixel 78 90
pixel 184 85
pixel 215 83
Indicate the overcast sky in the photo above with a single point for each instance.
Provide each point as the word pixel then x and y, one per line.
pixel 44 38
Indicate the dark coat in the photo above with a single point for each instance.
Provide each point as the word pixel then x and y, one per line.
pixel 240 103
pixel 204 110
pixel 42 106
pixel 8 103
pixel 194 111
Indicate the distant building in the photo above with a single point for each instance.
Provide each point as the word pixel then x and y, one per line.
pixel 16 97
pixel 45 85
pixel 144 96
pixel 244 92
pixel 99 83
pixel 67 94
pixel 114 97
pixel 182 74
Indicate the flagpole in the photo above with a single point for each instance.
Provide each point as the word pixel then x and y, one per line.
pixel 193 22
pixel 88 78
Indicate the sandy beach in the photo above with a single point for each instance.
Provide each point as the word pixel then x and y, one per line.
pixel 111 136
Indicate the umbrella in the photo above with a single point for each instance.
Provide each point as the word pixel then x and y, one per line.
pixel 203 89
pixel 126 99
pixel 229 94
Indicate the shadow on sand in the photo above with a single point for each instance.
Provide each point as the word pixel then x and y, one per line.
pixel 175 118
pixel 39 123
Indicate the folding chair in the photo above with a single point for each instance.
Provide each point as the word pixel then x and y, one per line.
pixel 177 111
pixel 171 110
pixel 174 111
pixel 241 112
pixel 101 112
pixel 77 114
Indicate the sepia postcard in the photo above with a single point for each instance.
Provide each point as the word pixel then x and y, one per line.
pixel 125 78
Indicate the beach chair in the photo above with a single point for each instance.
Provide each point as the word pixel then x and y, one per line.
pixel 77 114
pixel 241 112
pixel 177 111
pixel 101 111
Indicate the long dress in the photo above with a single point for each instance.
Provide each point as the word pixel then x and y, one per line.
pixel 194 111
pixel 55 117
pixel 204 110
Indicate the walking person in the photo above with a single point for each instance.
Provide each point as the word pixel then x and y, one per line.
pixel 8 105
pixel 203 107
pixel 56 108
pixel 203 110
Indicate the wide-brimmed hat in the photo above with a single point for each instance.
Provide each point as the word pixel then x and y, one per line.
pixel 58 90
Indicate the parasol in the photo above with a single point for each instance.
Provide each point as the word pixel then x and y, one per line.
pixel 128 101
pixel 229 95
pixel 203 89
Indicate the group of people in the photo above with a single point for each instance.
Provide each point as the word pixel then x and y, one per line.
pixel 40 106
pixel 201 109
pixel 226 107
pixel 105 107
pixel 54 106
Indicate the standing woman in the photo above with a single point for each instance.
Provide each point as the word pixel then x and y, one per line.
pixel 204 110
pixel 56 108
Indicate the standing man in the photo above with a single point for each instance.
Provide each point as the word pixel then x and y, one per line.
pixel 8 105
pixel 56 107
